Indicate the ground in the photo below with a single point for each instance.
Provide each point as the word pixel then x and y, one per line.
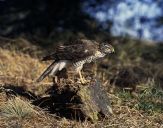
pixel 134 65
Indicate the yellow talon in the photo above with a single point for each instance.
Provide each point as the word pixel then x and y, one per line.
pixel 82 79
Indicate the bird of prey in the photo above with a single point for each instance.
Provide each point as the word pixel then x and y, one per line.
pixel 76 55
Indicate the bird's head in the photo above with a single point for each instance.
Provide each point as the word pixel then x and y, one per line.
pixel 106 48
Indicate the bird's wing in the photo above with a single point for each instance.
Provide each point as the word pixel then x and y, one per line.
pixel 75 52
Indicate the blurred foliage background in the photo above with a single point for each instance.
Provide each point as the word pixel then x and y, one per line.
pixel 62 19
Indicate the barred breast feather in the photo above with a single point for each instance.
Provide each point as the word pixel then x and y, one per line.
pixel 88 59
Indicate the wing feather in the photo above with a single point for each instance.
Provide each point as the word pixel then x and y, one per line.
pixel 75 52
pixel 46 72
pixel 78 51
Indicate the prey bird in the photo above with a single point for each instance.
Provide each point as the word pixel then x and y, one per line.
pixel 76 55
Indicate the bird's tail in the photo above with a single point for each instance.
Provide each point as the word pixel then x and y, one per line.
pixel 52 69
pixel 46 72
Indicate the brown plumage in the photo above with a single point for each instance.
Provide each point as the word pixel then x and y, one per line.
pixel 77 54
pixel 80 49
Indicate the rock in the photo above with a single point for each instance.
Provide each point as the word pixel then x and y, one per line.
pixel 78 101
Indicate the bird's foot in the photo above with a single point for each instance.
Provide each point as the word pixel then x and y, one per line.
pixel 84 81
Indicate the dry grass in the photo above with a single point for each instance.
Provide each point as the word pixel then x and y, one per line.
pixel 14 65
pixel 16 108
pixel 19 69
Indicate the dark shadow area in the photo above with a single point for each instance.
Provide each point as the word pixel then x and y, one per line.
pixel 130 77
pixel 42 20
pixel 12 90
pixel 64 103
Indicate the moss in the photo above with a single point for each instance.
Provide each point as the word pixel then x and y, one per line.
pixel 89 106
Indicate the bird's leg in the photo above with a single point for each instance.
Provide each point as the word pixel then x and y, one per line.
pixel 56 80
pixel 86 80
pixel 81 78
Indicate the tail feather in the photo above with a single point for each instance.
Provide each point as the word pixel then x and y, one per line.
pixel 55 69
pixel 58 67
pixel 62 64
pixel 52 69
pixel 46 72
